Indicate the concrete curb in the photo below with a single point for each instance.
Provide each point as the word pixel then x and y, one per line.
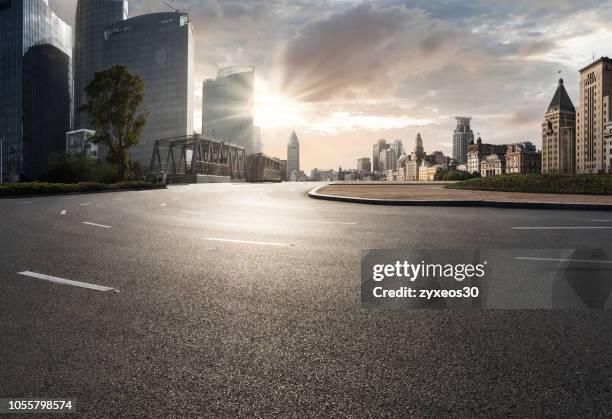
pixel 460 203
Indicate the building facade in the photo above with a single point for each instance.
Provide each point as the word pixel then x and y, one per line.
pixel 228 106
pixel 523 158
pixel 364 165
pixel 293 155
pixel 92 18
pixel 478 152
pixel 158 48
pixel 461 139
pixel 35 86
pixel 79 143
pixel 559 134
pixel 592 115
pixel 493 165
pixel 608 146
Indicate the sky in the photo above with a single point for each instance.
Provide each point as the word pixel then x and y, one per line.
pixel 344 74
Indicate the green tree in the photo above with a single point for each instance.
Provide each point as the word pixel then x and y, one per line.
pixel 113 98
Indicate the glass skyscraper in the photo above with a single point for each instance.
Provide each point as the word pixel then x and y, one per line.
pixel 92 18
pixel 35 84
pixel 158 48
pixel 228 106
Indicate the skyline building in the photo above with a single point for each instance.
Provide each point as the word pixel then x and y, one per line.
pixel 559 134
pixel 293 155
pixel 158 48
pixel 364 165
pixel 419 151
pixel 379 147
pixel 35 86
pixel 462 137
pixel 228 104
pixel 92 18
pixel 592 115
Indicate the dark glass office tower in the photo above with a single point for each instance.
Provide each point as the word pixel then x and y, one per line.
pixel 158 48
pixel 92 17
pixel 46 107
pixel 26 25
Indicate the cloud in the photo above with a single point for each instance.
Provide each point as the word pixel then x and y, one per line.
pixel 364 51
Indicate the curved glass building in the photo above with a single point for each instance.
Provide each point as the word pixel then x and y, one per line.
pixel 228 106
pixel 92 17
pixel 35 65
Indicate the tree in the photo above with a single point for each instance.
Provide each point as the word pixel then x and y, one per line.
pixel 113 98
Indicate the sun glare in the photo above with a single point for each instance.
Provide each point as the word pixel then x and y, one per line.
pixel 274 109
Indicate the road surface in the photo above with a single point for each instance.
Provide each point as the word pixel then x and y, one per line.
pixel 235 300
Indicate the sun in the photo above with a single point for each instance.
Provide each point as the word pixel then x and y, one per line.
pixel 273 109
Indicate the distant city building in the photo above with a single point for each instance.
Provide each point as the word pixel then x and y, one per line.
pixel 92 18
pixel 461 139
pixel 493 165
pixel 478 152
pixel 364 165
pixel 418 153
pixel 398 147
pixel 315 175
pixel 388 159
pixel 158 48
pixel 593 114
pixel 298 176
pixel 228 106
pixel 79 143
pixel 608 146
pixel 523 158
pixel 35 86
pixel 293 154
pixel 379 153
pixel 559 134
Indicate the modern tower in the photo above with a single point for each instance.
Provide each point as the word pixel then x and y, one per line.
pixel 461 138
pixel 379 148
pixel 92 18
pixel 228 106
pixel 158 48
pixel 559 134
pixel 419 150
pixel 593 114
pixel 35 86
pixel 293 155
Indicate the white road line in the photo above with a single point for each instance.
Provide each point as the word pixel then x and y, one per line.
pixel 245 242
pixel 69 198
pixel 562 228
pixel 96 225
pixel 63 212
pixel 601 221
pixel 24 203
pixel 564 260
pixel 194 212
pixel 327 222
pixel 86 204
pixel 117 199
pixel 67 282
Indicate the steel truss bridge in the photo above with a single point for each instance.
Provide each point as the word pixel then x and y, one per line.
pixel 194 155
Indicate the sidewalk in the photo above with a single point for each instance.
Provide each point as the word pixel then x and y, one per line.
pixel 436 195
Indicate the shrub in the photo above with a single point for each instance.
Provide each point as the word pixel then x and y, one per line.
pixel 539 183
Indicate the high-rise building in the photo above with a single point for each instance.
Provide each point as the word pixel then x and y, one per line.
pixel 293 155
pixel 158 48
pixel 379 147
pixel 397 146
pixel 461 139
pixel 92 18
pixel 559 134
pixel 35 86
pixel 228 106
pixel 608 146
pixel 364 165
pixel 592 115
pixel 419 151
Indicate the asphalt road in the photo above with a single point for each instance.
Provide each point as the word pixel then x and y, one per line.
pixel 244 300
